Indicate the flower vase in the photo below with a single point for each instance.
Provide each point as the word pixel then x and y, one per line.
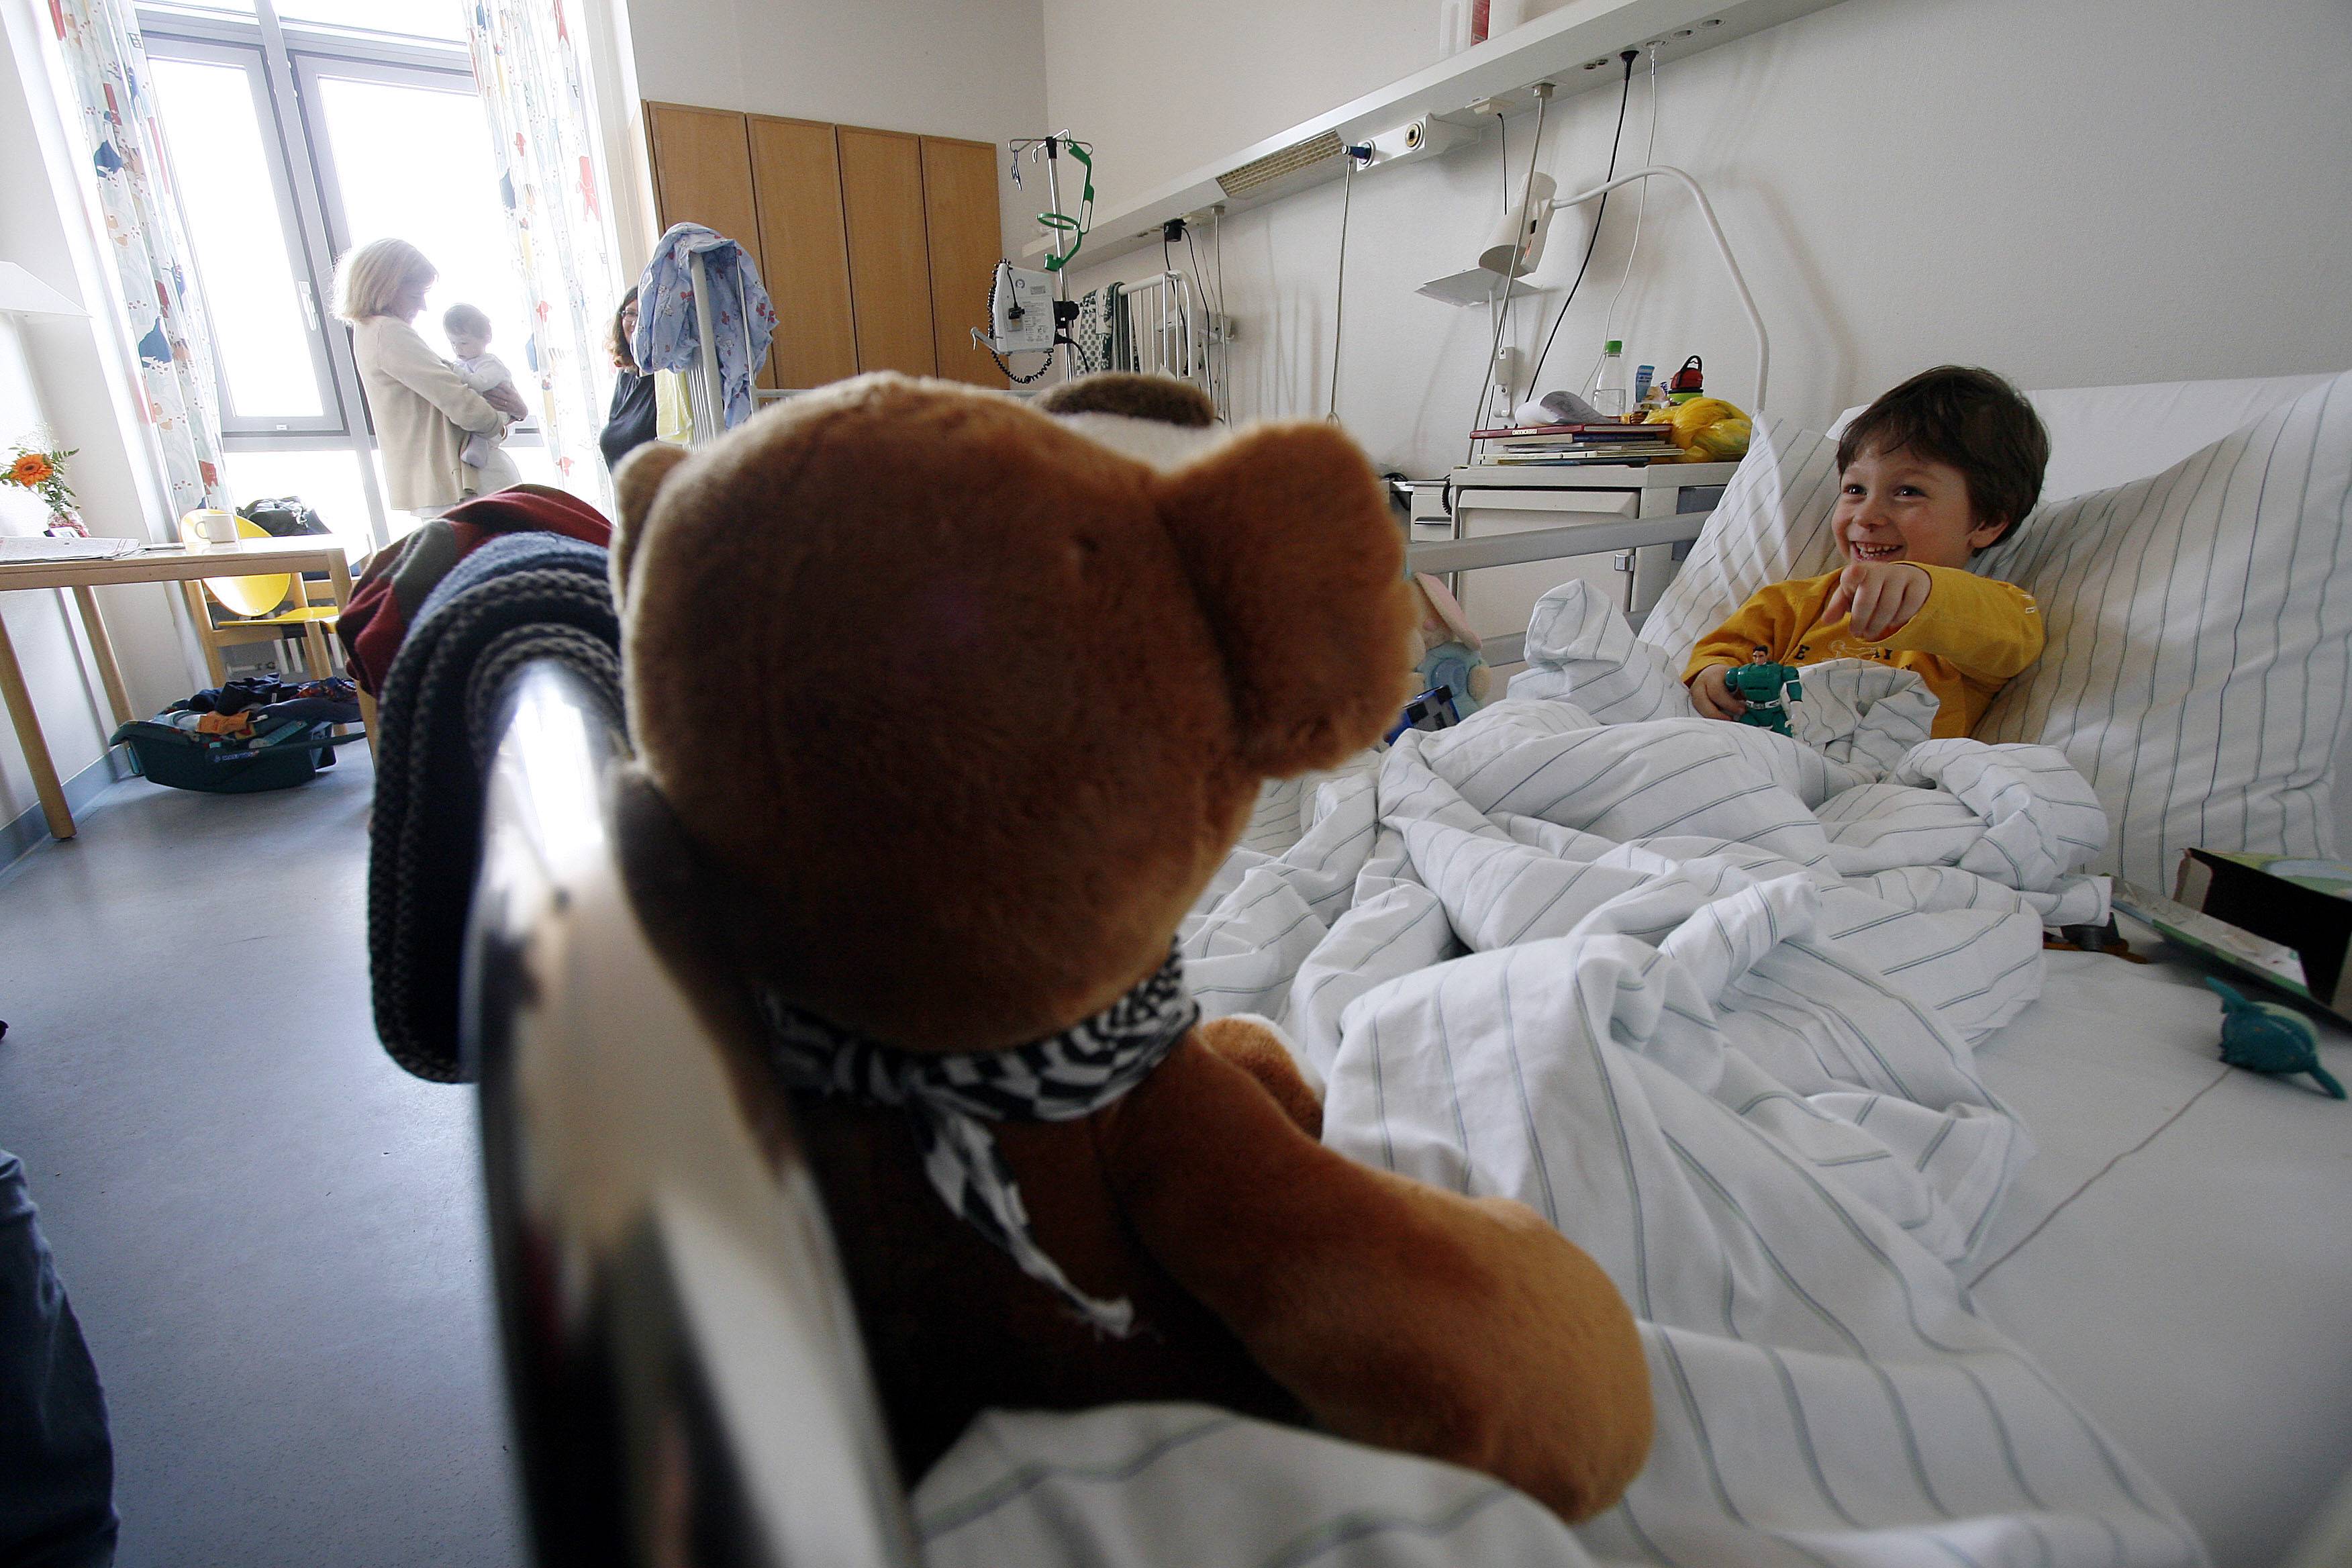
pixel 65 524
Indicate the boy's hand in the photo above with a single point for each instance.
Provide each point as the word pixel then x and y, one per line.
pixel 1712 697
pixel 1881 597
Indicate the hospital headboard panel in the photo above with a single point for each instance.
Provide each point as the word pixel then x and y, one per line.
pixel 685 1377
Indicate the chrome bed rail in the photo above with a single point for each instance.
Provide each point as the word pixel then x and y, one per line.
pixel 685 1377
pixel 1445 557
pixel 1553 543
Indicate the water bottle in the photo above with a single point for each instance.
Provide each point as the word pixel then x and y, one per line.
pixel 1612 391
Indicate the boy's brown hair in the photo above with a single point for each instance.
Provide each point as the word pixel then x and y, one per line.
pixel 1966 417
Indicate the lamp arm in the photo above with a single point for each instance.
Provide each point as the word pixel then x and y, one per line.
pixel 1722 248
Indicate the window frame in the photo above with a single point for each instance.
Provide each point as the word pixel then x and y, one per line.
pixel 248 58
pixel 283 59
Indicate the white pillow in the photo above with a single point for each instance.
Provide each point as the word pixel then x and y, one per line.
pixel 2199 668
pixel 2197 665
pixel 1771 525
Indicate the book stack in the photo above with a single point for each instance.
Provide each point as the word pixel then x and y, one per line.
pixel 1559 446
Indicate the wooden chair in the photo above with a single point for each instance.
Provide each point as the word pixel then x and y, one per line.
pixel 279 607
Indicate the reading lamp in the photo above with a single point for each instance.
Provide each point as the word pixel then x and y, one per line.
pixel 1523 228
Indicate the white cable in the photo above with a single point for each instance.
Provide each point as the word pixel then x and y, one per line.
pixel 1649 151
pixel 1511 268
pixel 1340 303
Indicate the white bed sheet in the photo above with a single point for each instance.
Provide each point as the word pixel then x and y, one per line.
pixel 2177 1252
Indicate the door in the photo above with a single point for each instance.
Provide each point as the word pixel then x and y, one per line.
pixel 959 213
pixel 804 250
pixel 889 252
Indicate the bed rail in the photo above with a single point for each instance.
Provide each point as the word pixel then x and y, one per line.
pixel 1453 555
pixel 686 1380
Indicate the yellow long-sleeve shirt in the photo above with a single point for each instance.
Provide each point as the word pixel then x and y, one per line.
pixel 1971 636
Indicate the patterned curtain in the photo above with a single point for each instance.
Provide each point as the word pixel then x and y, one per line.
pixel 106 64
pixel 542 136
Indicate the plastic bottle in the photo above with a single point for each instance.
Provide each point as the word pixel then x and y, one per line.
pixel 1612 393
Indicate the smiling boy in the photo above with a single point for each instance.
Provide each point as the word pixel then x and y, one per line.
pixel 1942 466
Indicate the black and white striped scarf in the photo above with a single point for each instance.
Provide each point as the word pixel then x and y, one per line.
pixel 948 1098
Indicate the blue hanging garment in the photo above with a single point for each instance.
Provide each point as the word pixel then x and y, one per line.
pixel 666 337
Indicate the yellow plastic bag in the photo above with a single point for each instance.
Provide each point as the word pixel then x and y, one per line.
pixel 1707 429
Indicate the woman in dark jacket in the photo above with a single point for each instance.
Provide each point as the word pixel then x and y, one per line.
pixel 629 424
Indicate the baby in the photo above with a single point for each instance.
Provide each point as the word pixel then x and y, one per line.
pixel 1944 466
pixel 468 331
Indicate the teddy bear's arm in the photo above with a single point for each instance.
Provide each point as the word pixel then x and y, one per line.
pixel 1400 1315
pixel 1253 1049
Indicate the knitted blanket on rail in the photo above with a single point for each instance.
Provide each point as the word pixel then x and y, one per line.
pixel 518 599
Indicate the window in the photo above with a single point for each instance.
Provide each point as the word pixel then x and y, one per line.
pixel 296 130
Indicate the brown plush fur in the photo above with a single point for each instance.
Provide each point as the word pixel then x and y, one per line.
pixel 962 710
pixel 1160 398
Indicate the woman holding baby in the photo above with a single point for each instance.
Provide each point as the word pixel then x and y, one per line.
pixel 426 412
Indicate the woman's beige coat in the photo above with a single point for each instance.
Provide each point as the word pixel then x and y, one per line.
pixel 423 416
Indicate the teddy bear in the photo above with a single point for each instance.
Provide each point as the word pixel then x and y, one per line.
pixel 956 707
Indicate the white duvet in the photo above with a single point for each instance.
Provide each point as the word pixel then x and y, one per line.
pixel 1702 995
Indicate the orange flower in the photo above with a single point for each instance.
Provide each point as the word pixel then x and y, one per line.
pixel 31 469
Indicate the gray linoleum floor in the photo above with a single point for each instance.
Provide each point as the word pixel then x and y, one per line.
pixel 273 1235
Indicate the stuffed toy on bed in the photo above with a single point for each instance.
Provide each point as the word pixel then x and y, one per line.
pixel 960 709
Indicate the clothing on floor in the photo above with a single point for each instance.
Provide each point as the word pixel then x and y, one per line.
pixel 1967 641
pixel 516 599
pixel 56 1458
pixel 392 591
pixel 667 337
pixel 629 424
pixel 259 690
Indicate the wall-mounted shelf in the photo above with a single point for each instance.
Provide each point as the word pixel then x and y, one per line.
pixel 1575 46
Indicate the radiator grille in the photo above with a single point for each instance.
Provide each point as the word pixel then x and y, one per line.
pixel 1265 170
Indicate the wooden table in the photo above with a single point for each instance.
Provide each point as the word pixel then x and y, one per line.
pixel 156 564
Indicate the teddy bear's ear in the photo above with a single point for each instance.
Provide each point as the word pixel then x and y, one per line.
pixel 637 483
pixel 1298 564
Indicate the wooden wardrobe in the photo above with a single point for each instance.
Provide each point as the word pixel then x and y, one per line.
pixel 877 246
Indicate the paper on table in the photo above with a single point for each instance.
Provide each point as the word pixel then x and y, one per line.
pixel 44 548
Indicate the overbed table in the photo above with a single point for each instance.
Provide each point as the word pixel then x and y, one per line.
pixel 156 564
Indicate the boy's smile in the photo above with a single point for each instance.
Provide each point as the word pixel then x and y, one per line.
pixel 1892 506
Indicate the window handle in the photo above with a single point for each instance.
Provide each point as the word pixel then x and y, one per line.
pixel 310 304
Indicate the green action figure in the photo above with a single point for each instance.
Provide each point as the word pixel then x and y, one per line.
pixel 1758 683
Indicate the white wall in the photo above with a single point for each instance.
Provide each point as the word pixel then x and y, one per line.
pixel 53 379
pixel 973 68
pixel 2073 191
pixel 1162 89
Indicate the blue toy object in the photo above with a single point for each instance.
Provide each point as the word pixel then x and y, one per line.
pixel 2264 1036
pixel 1449 655
pixel 1759 683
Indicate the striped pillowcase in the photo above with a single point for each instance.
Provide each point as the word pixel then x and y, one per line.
pixel 1771 525
pixel 2199 666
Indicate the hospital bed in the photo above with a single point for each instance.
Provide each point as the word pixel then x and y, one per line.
pixel 685 1375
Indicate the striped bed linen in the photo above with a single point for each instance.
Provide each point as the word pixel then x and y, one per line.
pixel 1706 1000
